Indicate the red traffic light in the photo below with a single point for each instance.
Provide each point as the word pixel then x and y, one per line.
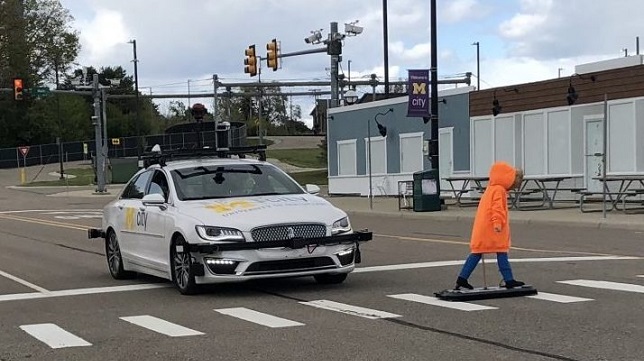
pixel 18 89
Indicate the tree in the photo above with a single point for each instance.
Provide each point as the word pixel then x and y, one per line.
pixel 36 42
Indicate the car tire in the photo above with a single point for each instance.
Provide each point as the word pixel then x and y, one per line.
pixel 183 276
pixel 330 278
pixel 114 258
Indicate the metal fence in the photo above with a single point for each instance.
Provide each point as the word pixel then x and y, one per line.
pixel 125 147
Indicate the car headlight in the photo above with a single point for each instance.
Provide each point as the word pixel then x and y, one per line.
pixel 341 226
pixel 220 234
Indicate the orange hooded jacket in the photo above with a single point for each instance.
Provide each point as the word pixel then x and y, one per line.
pixel 493 212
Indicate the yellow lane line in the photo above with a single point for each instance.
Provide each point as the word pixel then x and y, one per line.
pixel 461 243
pixel 45 222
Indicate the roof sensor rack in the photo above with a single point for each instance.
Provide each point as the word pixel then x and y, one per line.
pixel 159 156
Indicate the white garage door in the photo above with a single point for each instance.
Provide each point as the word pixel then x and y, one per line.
pixel 411 152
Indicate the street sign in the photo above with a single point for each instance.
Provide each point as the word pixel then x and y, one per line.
pixel 39 92
pixel 24 150
pixel 116 141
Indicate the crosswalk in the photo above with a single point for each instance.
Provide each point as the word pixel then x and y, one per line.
pixel 54 336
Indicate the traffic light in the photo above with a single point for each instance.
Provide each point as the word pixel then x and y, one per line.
pixel 250 61
pixel 272 55
pixel 18 89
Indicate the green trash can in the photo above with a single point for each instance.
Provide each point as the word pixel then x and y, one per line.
pixel 427 191
pixel 122 169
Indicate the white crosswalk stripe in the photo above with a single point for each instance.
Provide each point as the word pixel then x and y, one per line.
pixel 641 276
pixel 350 310
pixel 258 317
pixel 161 326
pixel 54 336
pixel 615 286
pixel 430 300
pixel 558 298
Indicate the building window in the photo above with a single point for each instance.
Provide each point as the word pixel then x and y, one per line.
pixel 347 157
pixel 621 138
pixel 379 159
pixel 534 144
pixel 559 142
pixel 411 152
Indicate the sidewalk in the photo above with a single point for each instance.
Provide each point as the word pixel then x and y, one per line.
pixel 568 214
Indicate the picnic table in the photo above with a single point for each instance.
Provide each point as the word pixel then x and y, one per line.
pixel 624 190
pixel 541 183
pixel 466 187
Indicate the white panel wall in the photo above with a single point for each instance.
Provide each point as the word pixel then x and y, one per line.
pixel 559 142
pixel 482 150
pixel 534 144
pixel 504 139
pixel 621 138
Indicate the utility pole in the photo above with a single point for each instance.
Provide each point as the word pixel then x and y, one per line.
pixel 335 49
pixel 478 67
pixel 259 111
pixel 104 121
pixel 386 44
pixel 96 120
pixel 434 93
pixel 136 89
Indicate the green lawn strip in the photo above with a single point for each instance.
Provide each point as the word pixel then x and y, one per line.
pixel 303 158
pixel 317 177
pixel 84 177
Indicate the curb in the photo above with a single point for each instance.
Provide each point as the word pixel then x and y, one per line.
pixel 599 224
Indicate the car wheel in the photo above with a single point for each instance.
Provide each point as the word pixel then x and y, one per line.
pixel 182 272
pixel 114 259
pixel 328 278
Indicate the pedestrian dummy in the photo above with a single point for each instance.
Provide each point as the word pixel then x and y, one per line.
pixel 491 230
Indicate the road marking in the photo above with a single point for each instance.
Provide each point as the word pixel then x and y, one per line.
pixel 161 326
pixel 54 336
pixel 80 291
pixel 463 306
pixel 642 276
pixel 46 222
pixel 258 317
pixel 23 282
pixel 461 243
pixel 50 210
pixel 351 310
pixel 558 298
pixel 405 266
pixel 615 286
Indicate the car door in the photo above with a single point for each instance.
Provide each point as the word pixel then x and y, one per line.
pixel 132 220
pixel 155 219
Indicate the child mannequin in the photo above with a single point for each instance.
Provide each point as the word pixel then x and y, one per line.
pixel 491 230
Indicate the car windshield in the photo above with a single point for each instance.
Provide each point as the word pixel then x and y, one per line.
pixel 228 181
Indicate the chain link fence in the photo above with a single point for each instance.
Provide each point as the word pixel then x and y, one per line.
pixel 117 148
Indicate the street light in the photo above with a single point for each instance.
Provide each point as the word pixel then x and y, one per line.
pixel 350 97
pixel 383 132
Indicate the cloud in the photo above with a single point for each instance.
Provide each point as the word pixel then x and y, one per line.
pixel 98 43
pixel 460 10
pixel 547 29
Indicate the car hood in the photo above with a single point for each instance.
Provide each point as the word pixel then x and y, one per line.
pixel 245 213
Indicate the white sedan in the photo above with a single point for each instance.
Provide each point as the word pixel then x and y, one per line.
pixel 207 220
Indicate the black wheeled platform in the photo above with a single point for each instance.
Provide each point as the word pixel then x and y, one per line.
pixel 482 293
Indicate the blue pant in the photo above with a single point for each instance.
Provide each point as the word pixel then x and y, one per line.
pixel 501 259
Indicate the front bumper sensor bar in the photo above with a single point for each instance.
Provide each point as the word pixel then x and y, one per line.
pixel 294 243
pixel 484 293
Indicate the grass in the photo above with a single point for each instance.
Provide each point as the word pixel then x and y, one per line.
pixel 303 158
pixel 84 177
pixel 317 177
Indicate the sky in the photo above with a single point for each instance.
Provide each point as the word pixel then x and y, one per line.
pixel 181 44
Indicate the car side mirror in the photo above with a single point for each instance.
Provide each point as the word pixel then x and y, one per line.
pixel 312 188
pixel 154 199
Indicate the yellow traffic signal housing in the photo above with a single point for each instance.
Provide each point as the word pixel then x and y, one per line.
pixel 272 55
pixel 251 61
pixel 18 89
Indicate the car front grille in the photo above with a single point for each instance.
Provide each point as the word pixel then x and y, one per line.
pixel 290 265
pixel 288 231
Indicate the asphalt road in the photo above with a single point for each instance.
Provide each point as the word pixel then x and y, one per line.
pixel 54 281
